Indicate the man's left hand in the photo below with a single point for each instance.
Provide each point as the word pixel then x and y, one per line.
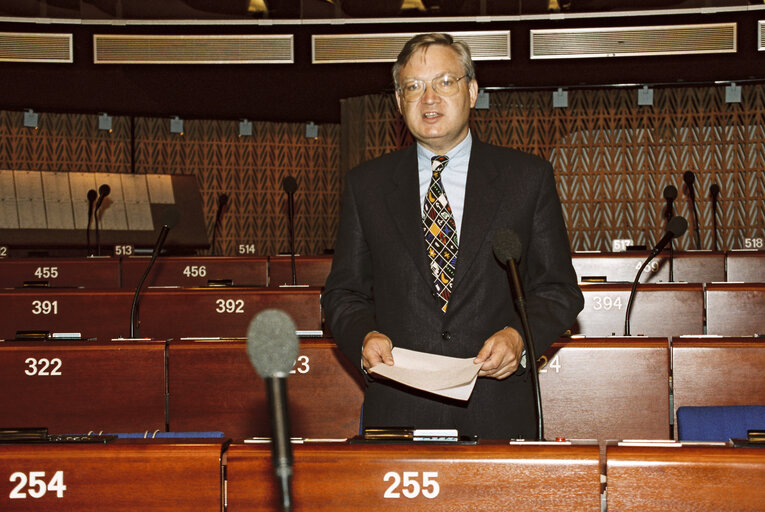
pixel 500 354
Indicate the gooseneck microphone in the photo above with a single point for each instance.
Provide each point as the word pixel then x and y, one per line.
pixel 714 192
pixel 290 186
pixel 168 220
pixel 670 194
pixel 103 191
pixel 222 202
pixel 689 178
pixel 272 347
pixel 92 195
pixel 507 249
pixel 675 228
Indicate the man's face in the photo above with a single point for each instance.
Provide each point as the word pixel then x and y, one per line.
pixel 437 122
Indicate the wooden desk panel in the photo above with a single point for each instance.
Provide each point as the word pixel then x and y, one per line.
pixel 689 266
pixel 163 313
pixel 213 386
pixel 61 272
pixel 310 270
pixel 614 388
pixel 222 312
pixel 195 271
pixel 76 387
pixel 718 371
pixel 124 475
pixel 747 266
pixel 667 309
pixel 735 309
pixel 697 478
pixel 356 477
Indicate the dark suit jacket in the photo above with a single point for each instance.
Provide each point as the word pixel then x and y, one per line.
pixel 380 280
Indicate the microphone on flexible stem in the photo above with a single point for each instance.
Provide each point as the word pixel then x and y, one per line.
pixel 92 195
pixel 670 193
pixel 689 178
pixel 714 192
pixel 290 186
pixel 675 228
pixel 272 347
pixel 103 191
pixel 168 220
pixel 222 202
pixel 507 249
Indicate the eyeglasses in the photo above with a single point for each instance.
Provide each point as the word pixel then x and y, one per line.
pixel 444 85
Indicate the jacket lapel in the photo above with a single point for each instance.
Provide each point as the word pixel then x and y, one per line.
pixel 482 199
pixel 403 202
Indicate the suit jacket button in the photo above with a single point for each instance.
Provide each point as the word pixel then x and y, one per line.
pixel 446 335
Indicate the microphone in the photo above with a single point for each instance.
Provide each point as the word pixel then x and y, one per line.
pixel 92 194
pixel 103 191
pixel 222 202
pixel 670 194
pixel 714 192
pixel 272 347
pixel 290 186
pixel 689 178
pixel 675 228
pixel 507 249
pixel 168 220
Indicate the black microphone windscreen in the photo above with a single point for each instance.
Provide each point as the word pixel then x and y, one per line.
pixel 670 192
pixel 92 195
pixel 170 217
pixel 222 200
pixel 289 184
pixel 714 190
pixel 689 177
pixel 506 245
pixel 677 225
pixel 104 190
pixel 272 344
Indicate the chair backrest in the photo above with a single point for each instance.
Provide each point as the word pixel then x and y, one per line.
pixel 718 423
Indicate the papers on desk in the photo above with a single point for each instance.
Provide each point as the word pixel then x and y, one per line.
pixel 451 377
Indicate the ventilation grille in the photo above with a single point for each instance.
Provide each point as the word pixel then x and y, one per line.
pixel 217 49
pixel 28 47
pixel 633 41
pixel 355 48
pixel 761 35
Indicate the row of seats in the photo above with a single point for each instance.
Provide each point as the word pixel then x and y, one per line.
pixel 592 388
pixel 662 309
pixel 213 475
pixel 108 272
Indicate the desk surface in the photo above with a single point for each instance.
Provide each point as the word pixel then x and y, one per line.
pixel 735 309
pixel 688 266
pixel 342 477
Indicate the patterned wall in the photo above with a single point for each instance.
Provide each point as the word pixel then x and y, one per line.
pixel 249 169
pixel 613 158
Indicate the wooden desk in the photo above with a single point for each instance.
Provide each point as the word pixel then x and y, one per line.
pixel 606 388
pixel 664 309
pixel 747 266
pixel 163 313
pixel 76 387
pixel 197 271
pixel 341 477
pixel 310 270
pixel 735 309
pixel 689 266
pixel 124 475
pixel 698 478
pixel 213 386
pixel 718 371
pixel 60 272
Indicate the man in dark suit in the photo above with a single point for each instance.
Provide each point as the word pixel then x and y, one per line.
pixel 414 265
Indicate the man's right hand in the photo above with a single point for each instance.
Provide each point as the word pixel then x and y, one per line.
pixel 376 349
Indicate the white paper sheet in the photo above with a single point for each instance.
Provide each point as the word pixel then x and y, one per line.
pixel 451 377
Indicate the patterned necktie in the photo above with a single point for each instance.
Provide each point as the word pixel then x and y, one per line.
pixel 440 233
